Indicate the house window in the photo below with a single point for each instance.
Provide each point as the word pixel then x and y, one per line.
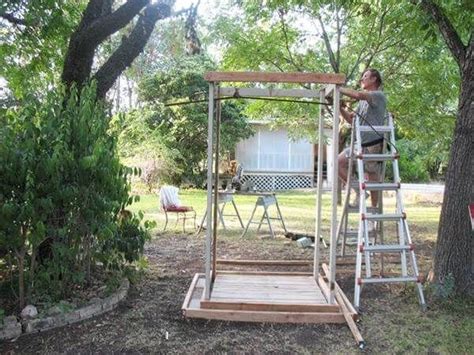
pixel 272 151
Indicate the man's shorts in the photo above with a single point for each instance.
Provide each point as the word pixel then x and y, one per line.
pixel 370 166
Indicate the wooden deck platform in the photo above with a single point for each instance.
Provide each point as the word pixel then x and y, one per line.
pixel 263 297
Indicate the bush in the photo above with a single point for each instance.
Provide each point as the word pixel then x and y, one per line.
pixel 61 190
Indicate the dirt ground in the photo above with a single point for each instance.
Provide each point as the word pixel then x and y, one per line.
pixel 150 320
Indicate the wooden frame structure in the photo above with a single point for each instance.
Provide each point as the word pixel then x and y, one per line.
pixel 289 297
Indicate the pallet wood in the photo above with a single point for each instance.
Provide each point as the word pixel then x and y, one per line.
pixel 269 307
pixel 275 77
pixel 265 262
pixel 290 304
pixel 287 273
pixel 339 261
pixel 266 317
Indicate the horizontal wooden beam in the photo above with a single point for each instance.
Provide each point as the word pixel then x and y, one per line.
pixel 275 77
pixel 264 273
pixel 258 92
pixel 265 262
pixel 339 261
pixel 269 307
pixel 266 317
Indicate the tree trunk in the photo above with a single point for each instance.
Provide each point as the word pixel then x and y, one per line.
pixel 454 252
pixel 97 24
pixel 20 255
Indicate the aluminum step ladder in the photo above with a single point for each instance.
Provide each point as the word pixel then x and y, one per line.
pixel 403 246
pixel 349 233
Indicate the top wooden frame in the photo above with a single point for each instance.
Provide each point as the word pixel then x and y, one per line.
pixel 275 77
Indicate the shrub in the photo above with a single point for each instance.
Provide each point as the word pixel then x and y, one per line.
pixel 61 186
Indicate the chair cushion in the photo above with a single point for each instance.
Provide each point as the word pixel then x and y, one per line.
pixel 178 209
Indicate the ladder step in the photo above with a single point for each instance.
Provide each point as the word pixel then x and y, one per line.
pixel 377 186
pixel 384 217
pixel 377 157
pixel 380 129
pixel 388 280
pixel 386 248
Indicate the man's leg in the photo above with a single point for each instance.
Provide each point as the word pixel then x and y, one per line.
pixel 373 172
pixel 374 195
pixel 343 165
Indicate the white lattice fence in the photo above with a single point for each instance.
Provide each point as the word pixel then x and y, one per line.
pixel 279 182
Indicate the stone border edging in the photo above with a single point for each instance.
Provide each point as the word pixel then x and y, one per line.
pixel 14 329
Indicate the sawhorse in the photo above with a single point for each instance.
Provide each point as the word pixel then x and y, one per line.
pixel 222 199
pixel 265 200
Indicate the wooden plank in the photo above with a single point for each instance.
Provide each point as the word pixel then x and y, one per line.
pixel 265 288
pixel 301 279
pixel 269 307
pixel 190 291
pixel 265 262
pixel 269 273
pixel 270 92
pixel 264 294
pixel 270 317
pixel 275 77
pixel 324 287
pixel 339 261
pixel 348 303
pixel 350 322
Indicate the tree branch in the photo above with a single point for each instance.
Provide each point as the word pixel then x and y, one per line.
pixel 325 36
pixel 130 48
pixel 290 60
pixel 101 28
pixel 451 37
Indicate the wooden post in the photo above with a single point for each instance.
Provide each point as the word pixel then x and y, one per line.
pixel 319 189
pixel 335 178
pixel 216 187
pixel 207 288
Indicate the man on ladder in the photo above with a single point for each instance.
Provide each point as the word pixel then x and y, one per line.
pixel 368 126
pixel 372 107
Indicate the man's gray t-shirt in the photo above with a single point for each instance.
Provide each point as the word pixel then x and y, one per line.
pixel 373 112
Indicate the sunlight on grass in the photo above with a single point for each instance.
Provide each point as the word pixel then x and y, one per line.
pixel 298 210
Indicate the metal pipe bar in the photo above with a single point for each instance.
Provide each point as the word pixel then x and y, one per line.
pixel 335 178
pixel 319 190
pixel 207 288
pixel 270 92
pixel 216 186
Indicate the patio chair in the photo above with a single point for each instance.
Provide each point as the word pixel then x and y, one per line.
pixel 169 203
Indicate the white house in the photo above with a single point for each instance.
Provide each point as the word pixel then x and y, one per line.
pixel 273 162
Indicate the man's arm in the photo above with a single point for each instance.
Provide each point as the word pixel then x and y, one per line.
pixel 354 94
pixel 348 116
